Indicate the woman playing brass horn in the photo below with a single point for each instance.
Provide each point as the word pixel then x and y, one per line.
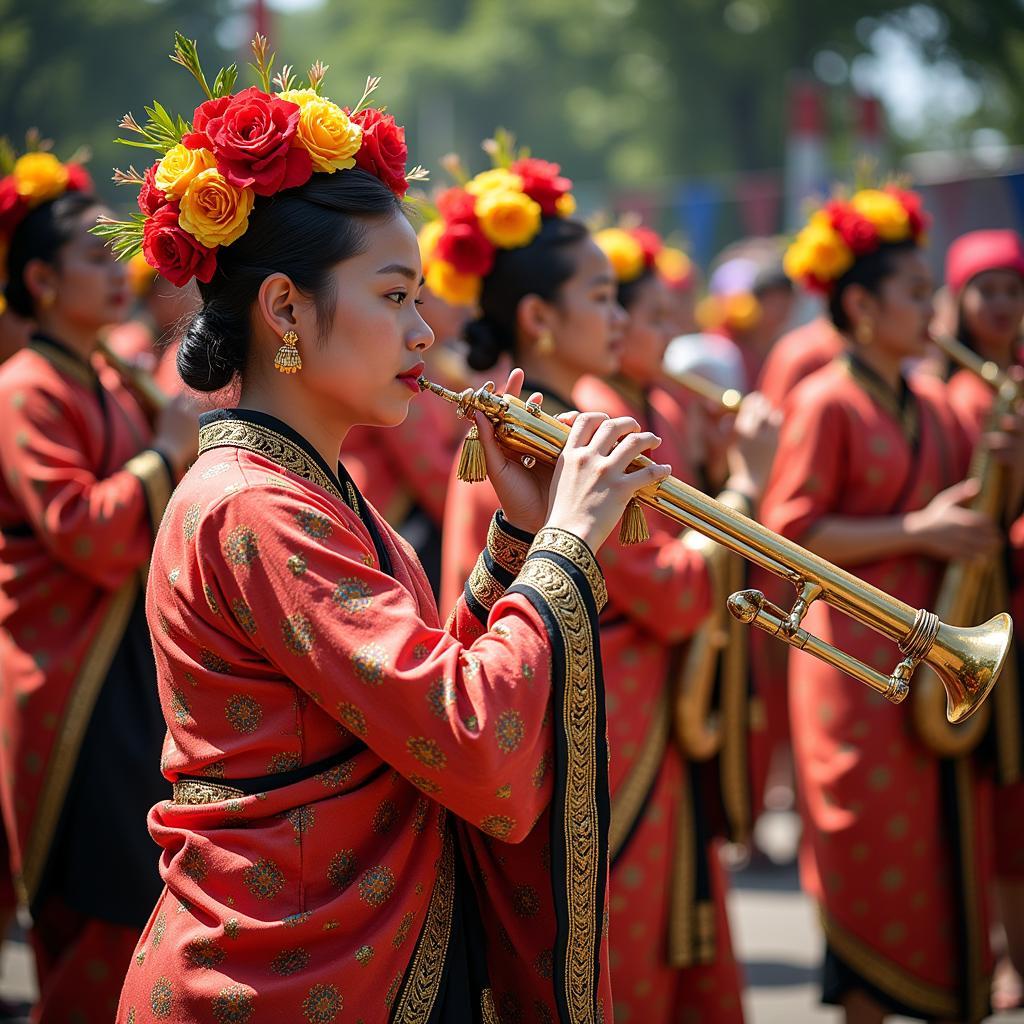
pixel 552 305
pixel 869 474
pixel 985 278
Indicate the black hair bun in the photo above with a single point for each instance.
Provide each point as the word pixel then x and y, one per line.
pixel 485 345
pixel 209 356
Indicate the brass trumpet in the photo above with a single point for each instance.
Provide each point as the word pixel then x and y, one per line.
pixel 725 400
pixel 973 587
pixel 136 378
pixel 967 660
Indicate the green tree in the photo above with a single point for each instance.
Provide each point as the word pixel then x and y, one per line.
pixel 72 69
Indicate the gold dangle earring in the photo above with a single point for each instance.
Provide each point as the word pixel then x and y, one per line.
pixel 545 342
pixel 288 359
pixel 865 332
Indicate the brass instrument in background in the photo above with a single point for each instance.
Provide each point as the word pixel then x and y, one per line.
pixel 136 378
pixel 967 660
pixel 970 587
pixel 725 400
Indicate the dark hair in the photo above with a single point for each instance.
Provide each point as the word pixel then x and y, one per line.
pixel 540 268
pixel 41 236
pixel 303 233
pixel 869 272
pixel 629 291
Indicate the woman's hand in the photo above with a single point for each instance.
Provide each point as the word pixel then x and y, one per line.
pixel 754 441
pixel 945 529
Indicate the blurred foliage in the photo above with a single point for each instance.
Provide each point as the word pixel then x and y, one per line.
pixel 632 91
pixel 72 68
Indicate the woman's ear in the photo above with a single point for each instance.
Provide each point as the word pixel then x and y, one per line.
pixel 535 317
pixel 859 305
pixel 276 305
pixel 41 282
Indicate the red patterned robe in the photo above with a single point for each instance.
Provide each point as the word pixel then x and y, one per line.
pixel 660 848
pixel 972 401
pixel 373 818
pixel 403 471
pixel 894 846
pixel 80 497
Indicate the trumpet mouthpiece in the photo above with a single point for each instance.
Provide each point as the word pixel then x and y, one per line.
pixel 437 389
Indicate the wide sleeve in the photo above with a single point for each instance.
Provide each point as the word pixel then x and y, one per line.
pixel 101 528
pixel 807 473
pixel 469 724
pixel 469 509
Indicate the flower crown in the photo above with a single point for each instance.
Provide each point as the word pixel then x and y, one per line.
pixel 845 230
pixel 636 250
pixel 32 179
pixel 501 208
pixel 199 193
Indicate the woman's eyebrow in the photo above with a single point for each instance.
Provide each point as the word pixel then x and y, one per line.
pixel 399 268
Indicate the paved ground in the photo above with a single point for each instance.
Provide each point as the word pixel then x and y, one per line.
pixel 774 930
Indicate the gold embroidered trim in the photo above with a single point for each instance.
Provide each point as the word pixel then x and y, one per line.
pixel 582 835
pixel 193 792
pixel 488 1014
pixel 63 363
pixel 507 551
pixel 84 692
pixel 427 967
pixel 483 586
pixel 569 546
pixel 885 399
pixel 928 1000
pixel 691 922
pixel 268 443
pixel 151 471
pixel 628 800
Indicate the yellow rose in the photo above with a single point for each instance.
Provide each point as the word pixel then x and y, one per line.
pixel 509 219
pixel 565 206
pixel 623 251
pixel 742 311
pixel 213 211
pixel 325 131
pixel 819 250
pixel 179 166
pixel 885 211
pixel 674 265
pixel 452 287
pixel 428 236
pixel 39 177
pixel 497 180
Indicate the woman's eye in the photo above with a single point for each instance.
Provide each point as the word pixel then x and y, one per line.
pixel 398 298
pixel 418 302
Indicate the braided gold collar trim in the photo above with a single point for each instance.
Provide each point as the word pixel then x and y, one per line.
pixel 237 433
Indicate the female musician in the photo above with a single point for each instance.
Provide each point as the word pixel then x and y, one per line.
pixel 868 474
pixel 404 472
pixel 670 951
pixel 985 278
pixel 84 480
pixel 370 813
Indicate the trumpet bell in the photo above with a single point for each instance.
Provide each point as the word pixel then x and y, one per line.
pixel 968 660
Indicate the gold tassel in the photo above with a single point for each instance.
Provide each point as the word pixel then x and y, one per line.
pixel 472 465
pixel 288 359
pixel 633 528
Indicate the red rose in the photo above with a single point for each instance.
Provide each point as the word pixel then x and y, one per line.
pixel 542 183
pixel 466 248
pixel 203 114
pixel 173 252
pixel 854 229
pixel 13 207
pixel 457 206
pixel 78 178
pixel 151 198
pixel 649 242
pixel 911 201
pixel 251 137
pixel 383 151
